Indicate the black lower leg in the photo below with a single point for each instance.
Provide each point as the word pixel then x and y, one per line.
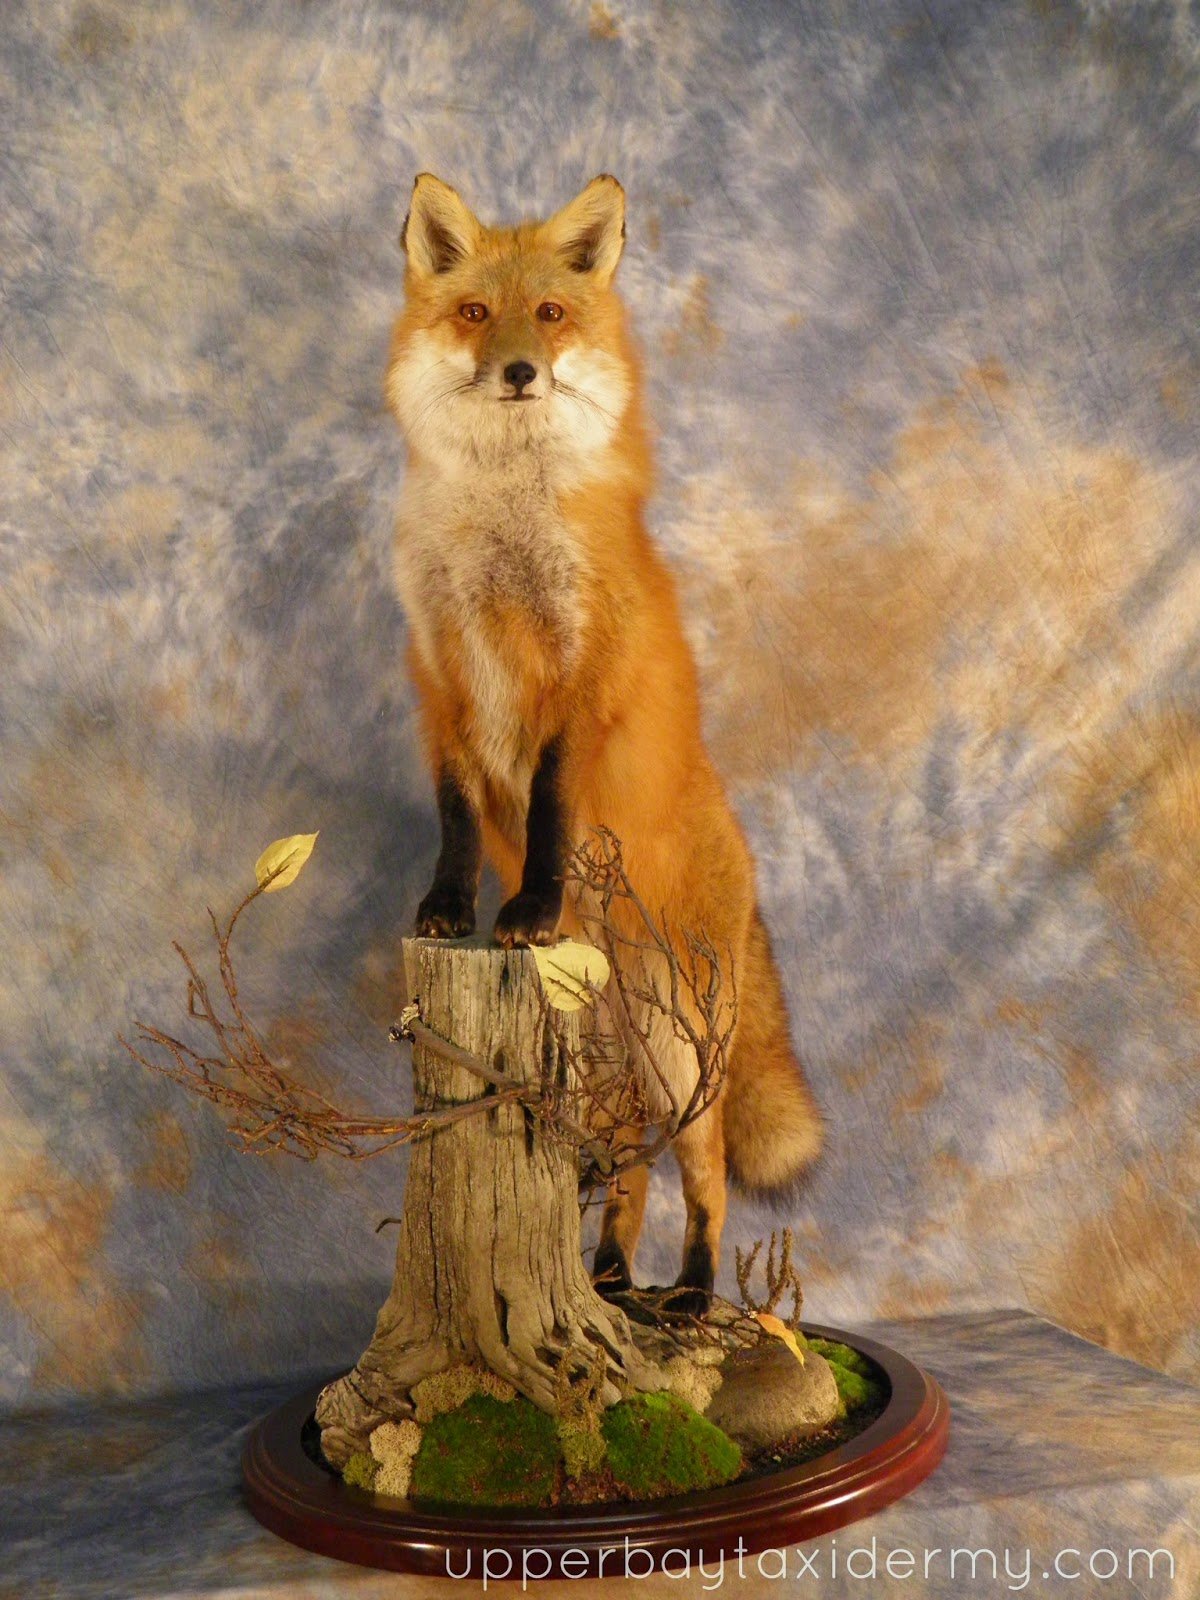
pixel 694 1285
pixel 610 1269
pixel 448 910
pixel 532 915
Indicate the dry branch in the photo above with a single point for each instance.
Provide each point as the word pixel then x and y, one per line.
pixel 654 976
pixel 271 1109
pixel 781 1276
pixel 604 1110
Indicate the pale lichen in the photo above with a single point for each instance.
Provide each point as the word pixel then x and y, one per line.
pixel 393 1447
pixel 447 1390
pixel 692 1382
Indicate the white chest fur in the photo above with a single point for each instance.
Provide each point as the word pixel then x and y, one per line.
pixel 470 549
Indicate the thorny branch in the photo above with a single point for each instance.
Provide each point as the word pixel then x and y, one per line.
pixel 781 1275
pixel 660 988
pixel 271 1110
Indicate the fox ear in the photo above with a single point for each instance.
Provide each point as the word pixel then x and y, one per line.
pixel 589 233
pixel 440 230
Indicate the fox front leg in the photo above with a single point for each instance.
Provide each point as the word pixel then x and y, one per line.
pixel 448 910
pixel 532 915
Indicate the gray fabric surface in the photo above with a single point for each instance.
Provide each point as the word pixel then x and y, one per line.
pixel 1055 1446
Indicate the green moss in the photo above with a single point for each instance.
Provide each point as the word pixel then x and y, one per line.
pixel 855 1390
pixel 360 1470
pixel 852 1360
pixel 857 1378
pixel 488 1452
pixel 659 1445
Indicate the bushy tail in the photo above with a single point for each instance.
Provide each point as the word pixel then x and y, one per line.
pixel 772 1126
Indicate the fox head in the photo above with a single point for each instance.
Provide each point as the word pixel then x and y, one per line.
pixel 512 342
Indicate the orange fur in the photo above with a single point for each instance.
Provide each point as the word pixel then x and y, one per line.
pixel 540 610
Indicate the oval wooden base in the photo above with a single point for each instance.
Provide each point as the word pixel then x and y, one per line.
pixel 298 1499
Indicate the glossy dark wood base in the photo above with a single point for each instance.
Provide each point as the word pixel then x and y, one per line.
pixel 296 1498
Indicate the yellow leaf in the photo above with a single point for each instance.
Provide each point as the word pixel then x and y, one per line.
pixel 780 1330
pixel 566 969
pixel 283 859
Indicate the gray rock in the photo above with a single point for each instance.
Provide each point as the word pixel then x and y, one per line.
pixel 767 1396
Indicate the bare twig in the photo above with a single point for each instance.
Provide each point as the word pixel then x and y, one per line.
pixel 664 982
pixel 781 1275
pixel 653 1308
pixel 271 1109
pixel 664 985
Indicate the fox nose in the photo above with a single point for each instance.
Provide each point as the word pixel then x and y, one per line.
pixel 519 374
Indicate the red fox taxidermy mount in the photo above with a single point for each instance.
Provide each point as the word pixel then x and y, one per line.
pixel 557 692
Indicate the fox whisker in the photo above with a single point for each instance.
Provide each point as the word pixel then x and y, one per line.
pixel 437 396
pixel 572 393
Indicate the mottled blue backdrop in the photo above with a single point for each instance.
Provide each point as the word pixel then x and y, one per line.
pixel 917 286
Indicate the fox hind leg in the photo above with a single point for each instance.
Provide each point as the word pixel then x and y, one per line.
pixel 623 1211
pixel 700 1151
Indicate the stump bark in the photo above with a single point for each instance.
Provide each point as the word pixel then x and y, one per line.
pixel 489 1267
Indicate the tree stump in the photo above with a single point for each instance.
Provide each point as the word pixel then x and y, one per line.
pixel 489 1267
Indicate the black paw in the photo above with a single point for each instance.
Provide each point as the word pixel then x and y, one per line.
pixel 691 1293
pixel 528 919
pixel 610 1271
pixel 447 912
pixel 686 1300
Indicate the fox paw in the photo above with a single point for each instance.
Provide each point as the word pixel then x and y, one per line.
pixel 686 1300
pixel 610 1271
pixel 528 919
pixel 691 1293
pixel 446 912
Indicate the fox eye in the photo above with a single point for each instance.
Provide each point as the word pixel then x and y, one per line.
pixel 473 311
pixel 550 312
